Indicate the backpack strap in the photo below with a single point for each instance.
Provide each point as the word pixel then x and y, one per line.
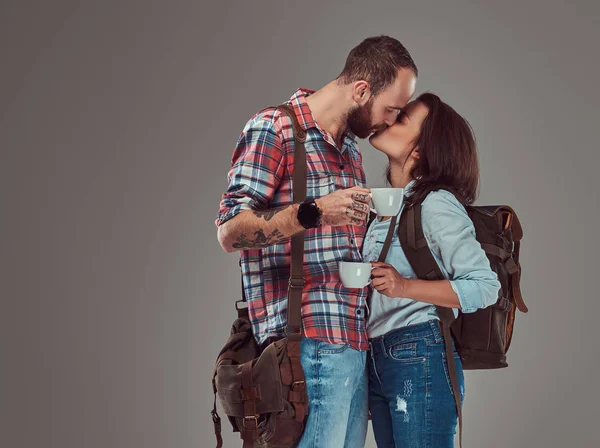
pixel 383 254
pixel 372 216
pixel 388 240
pixel 297 280
pixel 293 329
pixel 215 415
pixel 514 269
pixel 513 264
pixel 509 222
pixel 414 244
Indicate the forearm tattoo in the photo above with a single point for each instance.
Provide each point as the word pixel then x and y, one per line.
pixel 260 240
pixel 268 214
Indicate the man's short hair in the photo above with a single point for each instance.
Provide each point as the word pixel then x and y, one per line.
pixel 377 61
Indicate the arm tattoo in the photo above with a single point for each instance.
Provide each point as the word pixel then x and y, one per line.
pixel 268 214
pixel 260 240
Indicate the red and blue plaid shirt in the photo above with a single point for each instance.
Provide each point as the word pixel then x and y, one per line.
pixel 260 179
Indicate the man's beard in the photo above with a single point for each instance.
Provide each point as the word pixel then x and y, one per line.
pixel 360 122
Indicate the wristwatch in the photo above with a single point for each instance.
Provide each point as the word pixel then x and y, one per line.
pixel 309 214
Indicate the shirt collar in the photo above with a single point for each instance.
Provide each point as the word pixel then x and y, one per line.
pixel 409 187
pixel 307 121
pixel 303 113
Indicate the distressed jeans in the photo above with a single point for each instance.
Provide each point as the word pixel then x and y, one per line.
pixel 410 395
pixel 336 382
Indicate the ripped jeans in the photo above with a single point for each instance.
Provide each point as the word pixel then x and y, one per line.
pixel 410 396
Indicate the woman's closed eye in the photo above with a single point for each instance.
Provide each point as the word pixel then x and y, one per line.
pixel 401 116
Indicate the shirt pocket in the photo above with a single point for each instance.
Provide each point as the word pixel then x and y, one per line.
pixel 371 249
pixel 319 185
pixel 379 243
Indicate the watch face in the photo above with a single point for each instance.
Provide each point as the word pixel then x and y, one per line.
pixel 308 214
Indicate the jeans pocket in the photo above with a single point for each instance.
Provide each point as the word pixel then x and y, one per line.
pixel 459 374
pixel 405 352
pixel 327 348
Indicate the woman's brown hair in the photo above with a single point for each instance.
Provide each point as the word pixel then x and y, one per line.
pixel 448 154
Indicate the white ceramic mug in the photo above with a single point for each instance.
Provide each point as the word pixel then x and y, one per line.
pixel 387 201
pixel 355 274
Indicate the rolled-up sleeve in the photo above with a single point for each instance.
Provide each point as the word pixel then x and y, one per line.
pixel 451 235
pixel 256 169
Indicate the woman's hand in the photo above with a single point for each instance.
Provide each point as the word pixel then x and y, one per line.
pixel 387 280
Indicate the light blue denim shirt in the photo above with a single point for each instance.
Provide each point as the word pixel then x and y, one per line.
pixel 451 237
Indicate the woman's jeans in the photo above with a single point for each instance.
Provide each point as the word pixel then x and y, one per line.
pixel 410 396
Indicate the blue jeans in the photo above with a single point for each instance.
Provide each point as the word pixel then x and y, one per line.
pixel 336 381
pixel 410 396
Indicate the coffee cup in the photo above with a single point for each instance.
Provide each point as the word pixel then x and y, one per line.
pixel 355 274
pixel 387 201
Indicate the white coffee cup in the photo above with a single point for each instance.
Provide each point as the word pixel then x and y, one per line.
pixel 355 274
pixel 387 201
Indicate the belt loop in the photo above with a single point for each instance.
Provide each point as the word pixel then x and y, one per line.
pixel 438 332
pixel 383 349
pixel 372 356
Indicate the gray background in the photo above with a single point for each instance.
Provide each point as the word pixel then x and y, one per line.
pixel 117 125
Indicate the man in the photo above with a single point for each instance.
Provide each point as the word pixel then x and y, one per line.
pixel 257 216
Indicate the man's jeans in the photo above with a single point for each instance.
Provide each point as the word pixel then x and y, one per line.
pixel 336 381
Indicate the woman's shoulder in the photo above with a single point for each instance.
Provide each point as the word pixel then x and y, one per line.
pixel 443 216
pixel 442 200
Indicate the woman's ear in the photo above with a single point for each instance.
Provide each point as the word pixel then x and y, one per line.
pixel 416 154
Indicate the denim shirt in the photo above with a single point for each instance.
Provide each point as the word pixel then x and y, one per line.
pixel 450 234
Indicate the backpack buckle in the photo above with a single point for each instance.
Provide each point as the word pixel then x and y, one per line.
pixel 504 304
pixel 251 418
pixel 297 283
pixel 292 330
pixel 238 307
pixel 505 241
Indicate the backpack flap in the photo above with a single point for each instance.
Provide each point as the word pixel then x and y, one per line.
pixel 235 388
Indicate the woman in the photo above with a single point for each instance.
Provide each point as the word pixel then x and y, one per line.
pixel 432 154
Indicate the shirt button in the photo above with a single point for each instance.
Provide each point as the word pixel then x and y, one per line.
pixel 342 166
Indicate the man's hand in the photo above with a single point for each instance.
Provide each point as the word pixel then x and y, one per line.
pixel 345 207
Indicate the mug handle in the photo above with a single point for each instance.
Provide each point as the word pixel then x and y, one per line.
pixel 371 203
pixel 370 279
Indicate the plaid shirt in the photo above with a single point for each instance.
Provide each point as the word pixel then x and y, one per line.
pixel 260 179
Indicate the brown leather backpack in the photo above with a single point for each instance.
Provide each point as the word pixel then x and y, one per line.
pixel 481 338
pixel 263 392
